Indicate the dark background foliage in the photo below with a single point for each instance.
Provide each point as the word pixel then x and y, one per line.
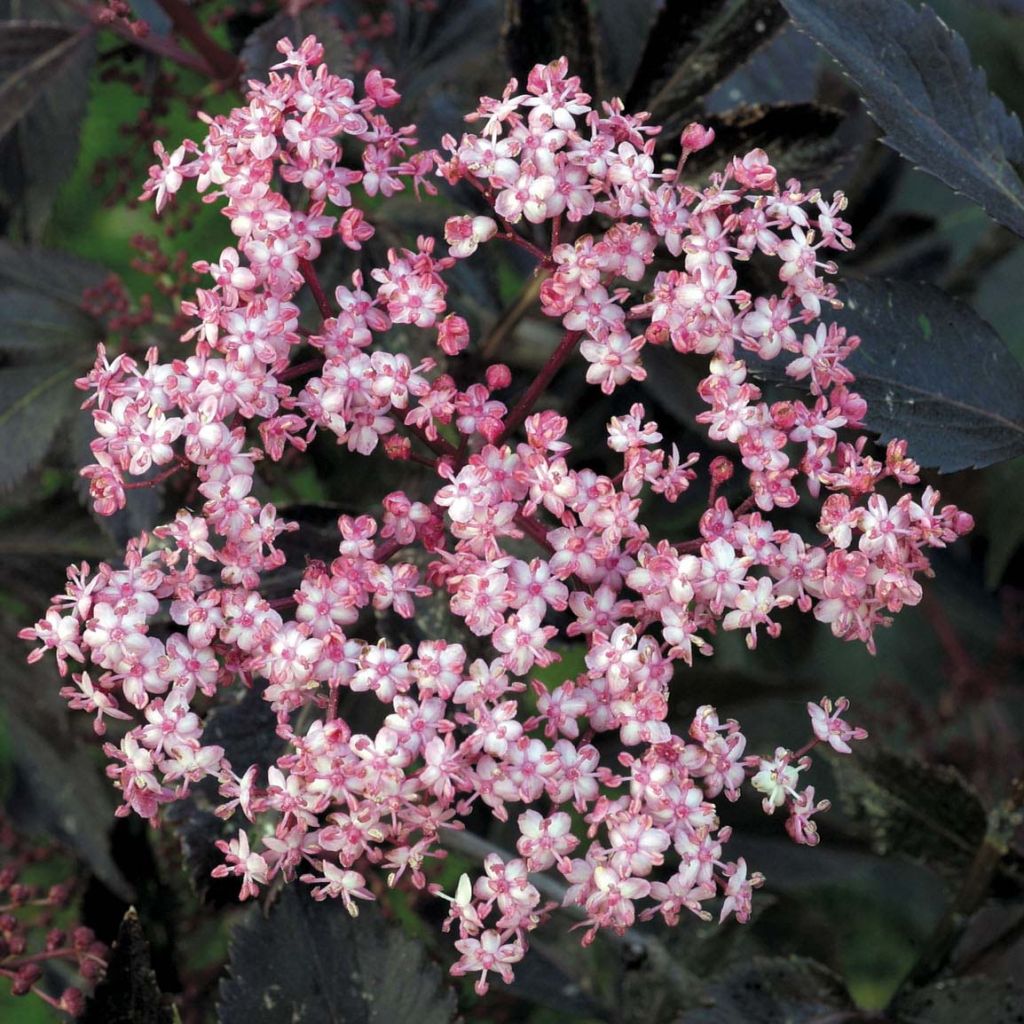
pixel 912 909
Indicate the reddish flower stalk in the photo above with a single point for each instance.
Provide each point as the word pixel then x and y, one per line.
pixel 539 385
pixel 223 64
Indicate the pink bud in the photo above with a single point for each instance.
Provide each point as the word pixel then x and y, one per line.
pixel 498 376
pixel 397 448
pixel 353 228
pixel 452 334
pixel 696 137
pixel 754 170
pixel 380 89
pixel 721 469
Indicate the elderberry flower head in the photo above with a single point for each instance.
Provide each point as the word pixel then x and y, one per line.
pixel 528 548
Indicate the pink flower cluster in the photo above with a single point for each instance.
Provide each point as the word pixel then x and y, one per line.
pixel 460 731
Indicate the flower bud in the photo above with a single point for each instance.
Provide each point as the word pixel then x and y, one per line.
pixel 696 137
pixel 498 376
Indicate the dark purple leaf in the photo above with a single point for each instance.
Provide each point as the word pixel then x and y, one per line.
pixel 768 990
pixel 540 31
pixel 960 1000
pixel 916 78
pixel 128 993
pixel 31 52
pixel 312 962
pixel 933 372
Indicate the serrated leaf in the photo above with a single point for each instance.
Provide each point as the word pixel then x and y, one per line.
pixel 38 326
pixel 34 402
pixel 933 372
pixel 926 812
pixel 128 993
pixel 540 31
pixel 31 52
pixel 692 47
pixel 960 1001
pixel 312 962
pixel 799 138
pixel 675 33
pixel 770 990
pixel 916 78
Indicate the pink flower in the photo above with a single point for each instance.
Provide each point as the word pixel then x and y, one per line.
pixel 830 728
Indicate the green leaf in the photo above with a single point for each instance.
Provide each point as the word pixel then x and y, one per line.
pixel 933 372
pixel 34 402
pixel 917 81
pixel 129 993
pixel 540 31
pixel 770 990
pixel 799 138
pixel 960 1001
pixel 312 962
pixel 926 812
pixel 692 47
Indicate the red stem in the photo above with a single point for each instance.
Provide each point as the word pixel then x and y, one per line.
pixel 178 465
pixel 309 366
pixel 534 530
pixel 809 745
pixel 313 282
pixel 439 445
pixel 161 47
pixel 525 405
pixel 224 64
pixel 525 243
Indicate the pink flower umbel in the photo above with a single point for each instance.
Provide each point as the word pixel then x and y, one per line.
pixel 527 551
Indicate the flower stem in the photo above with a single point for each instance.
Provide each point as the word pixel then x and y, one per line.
pixel 308 272
pixel 525 405
pixel 224 65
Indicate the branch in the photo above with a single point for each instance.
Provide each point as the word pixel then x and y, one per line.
pixel 224 65
pixel 525 405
